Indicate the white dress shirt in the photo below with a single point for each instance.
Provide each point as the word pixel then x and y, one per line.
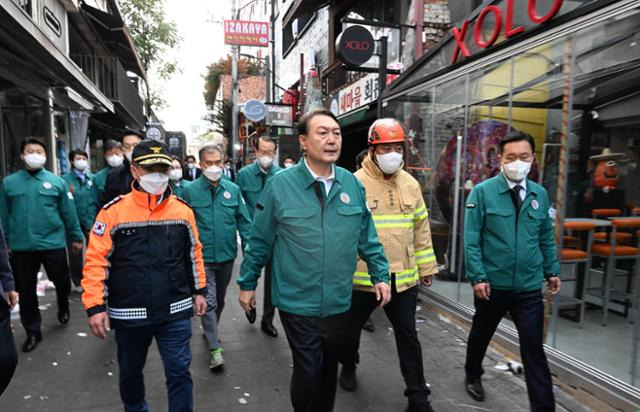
pixel 328 181
pixel 523 184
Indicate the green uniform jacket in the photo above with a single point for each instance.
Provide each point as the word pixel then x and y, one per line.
pixel 178 190
pixel 250 181
pixel 218 215
pixel 510 253
pixel 35 211
pixel 85 196
pixel 100 178
pixel 314 249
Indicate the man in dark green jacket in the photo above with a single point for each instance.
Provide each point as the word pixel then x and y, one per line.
pixel 509 252
pixel 36 207
pixel 252 179
pixel 83 186
pixel 220 213
pixel 313 221
pixel 114 158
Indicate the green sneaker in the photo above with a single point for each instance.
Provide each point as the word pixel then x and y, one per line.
pixel 217 361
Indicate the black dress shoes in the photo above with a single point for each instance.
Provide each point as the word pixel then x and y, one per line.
pixel 419 408
pixel 31 343
pixel 348 380
pixel 269 329
pixel 63 315
pixel 475 389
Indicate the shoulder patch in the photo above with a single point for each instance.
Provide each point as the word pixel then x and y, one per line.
pixel 112 202
pixel 99 228
pixel 259 206
pixel 471 205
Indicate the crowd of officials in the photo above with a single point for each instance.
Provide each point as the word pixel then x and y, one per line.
pixel 151 239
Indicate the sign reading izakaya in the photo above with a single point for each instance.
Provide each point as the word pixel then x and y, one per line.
pixel 246 33
pixel 460 34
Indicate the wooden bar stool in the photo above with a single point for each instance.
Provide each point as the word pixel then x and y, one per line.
pixel 572 255
pixel 613 252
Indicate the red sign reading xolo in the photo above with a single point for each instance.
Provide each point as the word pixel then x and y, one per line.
pixel 460 34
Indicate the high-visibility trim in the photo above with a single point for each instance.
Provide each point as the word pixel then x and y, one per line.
pixel 404 277
pixel 392 221
pixel 425 256
pixel 420 213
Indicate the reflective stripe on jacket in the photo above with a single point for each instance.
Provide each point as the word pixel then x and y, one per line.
pixel 148 258
pixel 401 220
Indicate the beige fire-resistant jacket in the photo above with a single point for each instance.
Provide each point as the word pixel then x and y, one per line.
pixel 402 223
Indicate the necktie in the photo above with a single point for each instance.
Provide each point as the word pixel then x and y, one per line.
pixel 517 199
pixel 320 191
pixel 264 179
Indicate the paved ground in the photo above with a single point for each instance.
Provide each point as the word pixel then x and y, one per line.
pixel 73 371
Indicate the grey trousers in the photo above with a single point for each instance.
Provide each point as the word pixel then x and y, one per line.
pixel 218 278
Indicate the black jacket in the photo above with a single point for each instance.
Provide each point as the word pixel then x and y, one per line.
pixel 6 276
pixel 186 174
pixel 118 183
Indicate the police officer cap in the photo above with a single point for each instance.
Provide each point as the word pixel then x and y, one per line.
pixel 151 152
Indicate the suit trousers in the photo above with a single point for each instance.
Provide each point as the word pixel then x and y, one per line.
pixel 401 312
pixel 315 344
pixel 25 267
pixel 527 312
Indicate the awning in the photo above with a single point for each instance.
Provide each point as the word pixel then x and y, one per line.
pixel 41 57
pixel 300 7
pixel 361 114
pixel 114 34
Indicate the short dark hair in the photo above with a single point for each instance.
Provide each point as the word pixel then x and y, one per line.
pixel 360 157
pixel 209 148
pixel 303 123
pixel 190 157
pixel 111 144
pixel 132 133
pixel 75 152
pixel 33 140
pixel 266 139
pixel 289 158
pixel 516 136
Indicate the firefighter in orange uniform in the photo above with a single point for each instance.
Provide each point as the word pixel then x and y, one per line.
pixel 144 249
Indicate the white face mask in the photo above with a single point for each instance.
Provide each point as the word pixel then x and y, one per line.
pixel 516 171
pixel 191 165
pixel 265 161
pixel 81 165
pixel 175 174
pixel 128 155
pixel 115 160
pixel 389 163
pixel 288 165
pixel 35 161
pixel 213 173
pixel 154 183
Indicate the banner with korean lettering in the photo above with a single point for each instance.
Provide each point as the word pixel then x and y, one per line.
pixel 358 94
pixel 246 33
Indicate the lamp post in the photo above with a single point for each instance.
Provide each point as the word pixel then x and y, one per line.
pixel 235 51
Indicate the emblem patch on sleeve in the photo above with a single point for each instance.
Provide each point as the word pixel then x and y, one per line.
pixel 471 205
pixel 70 195
pixel 99 228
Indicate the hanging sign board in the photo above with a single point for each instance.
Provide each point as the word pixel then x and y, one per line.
pixel 279 115
pixel 355 45
pixel 246 33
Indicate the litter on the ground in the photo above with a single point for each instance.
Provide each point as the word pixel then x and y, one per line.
pixel 236 387
pixel 242 401
pixel 81 334
pixel 54 363
pixel 26 397
pixel 246 394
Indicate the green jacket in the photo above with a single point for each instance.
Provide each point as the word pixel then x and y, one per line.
pixel 314 248
pixel 178 190
pixel 36 209
pixel 85 196
pixel 250 181
pixel 100 178
pixel 510 253
pixel 219 213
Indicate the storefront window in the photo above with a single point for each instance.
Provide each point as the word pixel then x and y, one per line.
pixel 586 85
